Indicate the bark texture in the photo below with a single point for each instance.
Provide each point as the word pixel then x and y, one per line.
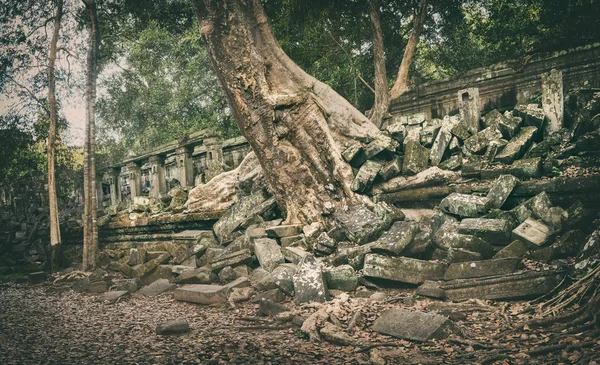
pixel 401 84
pixel 382 94
pixel 90 226
pixel 296 125
pixel 52 199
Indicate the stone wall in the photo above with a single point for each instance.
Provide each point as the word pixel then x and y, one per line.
pixel 505 84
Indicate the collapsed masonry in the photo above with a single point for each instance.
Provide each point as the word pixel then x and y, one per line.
pixel 487 237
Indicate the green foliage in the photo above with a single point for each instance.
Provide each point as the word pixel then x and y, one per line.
pixel 165 91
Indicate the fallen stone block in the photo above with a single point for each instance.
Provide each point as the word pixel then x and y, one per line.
pixel 516 248
pixel 479 142
pixel 231 259
pixel 161 272
pixel 227 274
pixel 535 207
pixel 569 244
pixel 416 158
pixel 492 149
pixel 309 284
pixel 446 238
pixel 268 253
pixel 180 269
pixel 465 205
pixel 532 115
pixel 421 243
pixel 428 134
pixel 377 146
pixel 529 168
pixel 461 130
pixel 527 284
pixel 283 230
pixel 130 285
pixel 156 288
pixel 500 190
pixel 174 327
pixel 289 241
pixel 403 269
pixel 353 256
pixel 202 294
pixel 274 295
pixel 515 148
pixel 270 308
pixel 293 254
pixel 201 275
pixel 471 168
pixel 98 286
pixel 359 224
pixel 533 232
pixel 392 168
pixel 241 282
pixel 281 278
pixel 493 231
pixel 144 269
pixel 454 255
pixel 544 254
pixel 413 325
pixel 477 269
pixel 396 239
pixel 137 256
pixel 366 175
pixel 341 278
pixel 354 155
pixel 336 335
pixel 112 296
pixel 452 163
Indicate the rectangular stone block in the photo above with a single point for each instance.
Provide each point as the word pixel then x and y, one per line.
pixel 479 142
pixel 231 259
pixel 533 232
pixel 478 269
pixel 268 253
pixel 416 158
pixel 403 269
pixel 397 238
pixel 412 325
pixel 500 190
pixel 202 294
pixel 156 288
pixel 516 147
pixel 366 175
pixel 465 205
pixel 494 231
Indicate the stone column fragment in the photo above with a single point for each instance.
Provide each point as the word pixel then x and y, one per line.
pixel 469 106
pixel 552 101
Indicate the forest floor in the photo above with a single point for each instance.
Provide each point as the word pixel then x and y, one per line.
pixel 45 324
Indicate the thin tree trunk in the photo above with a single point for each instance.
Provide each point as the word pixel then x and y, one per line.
pixel 296 125
pixel 52 199
pixel 382 93
pixel 90 227
pixel 401 84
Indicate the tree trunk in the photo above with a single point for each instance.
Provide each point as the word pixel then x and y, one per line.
pixel 401 84
pixel 90 227
pixel 297 126
pixel 382 93
pixel 52 199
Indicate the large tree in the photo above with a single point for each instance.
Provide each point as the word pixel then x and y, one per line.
pixel 52 198
pixel 90 226
pixel 296 125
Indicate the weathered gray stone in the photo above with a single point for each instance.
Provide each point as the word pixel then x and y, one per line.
pixel 392 168
pixel 227 274
pixel 471 167
pixel 465 205
pixel 396 239
pixel 293 254
pixel 532 115
pixel 336 335
pixel 137 256
pixel 477 269
pixel 341 278
pixel 156 288
pixel 359 224
pixel 377 146
pixel 446 238
pixel 454 255
pixel 493 231
pixel 144 269
pixel 500 190
pixel 429 134
pixel 210 254
pixel 231 259
pixel 130 285
pixel 438 220
pixel 287 230
pixel 528 284
pixel 173 327
pixel 530 168
pixel 534 207
pixel 554 218
pixel 274 295
pixel 420 243
pixel 325 244
pixel 354 256
pixel 517 145
pixel 516 248
pixel 178 198
pixel 366 175
pixel 202 294
pixel 241 282
pixel 161 272
pixel 180 269
pixel 81 285
pixel 440 145
pixel 492 118
pixel 98 286
pixel 270 308
pixel 479 142
pixel 290 241
pixel 397 130
pixel 569 244
pixel 416 158
pixel 469 106
pixel 258 274
pixel 248 206
pixel 492 149
pixel 309 284
pixel 533 232
pixel 402 269
pixel 461 130
pixel 413 325
pixel 202 275
pixel 112 296
pixel 354 154
pixel 281 278
pixel 268 253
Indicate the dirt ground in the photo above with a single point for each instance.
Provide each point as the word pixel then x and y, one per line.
pixel 44 324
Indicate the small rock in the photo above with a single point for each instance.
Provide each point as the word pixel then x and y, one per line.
pixel 174 327
pixel 465 205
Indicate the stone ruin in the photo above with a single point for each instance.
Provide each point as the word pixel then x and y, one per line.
pixel 471 206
